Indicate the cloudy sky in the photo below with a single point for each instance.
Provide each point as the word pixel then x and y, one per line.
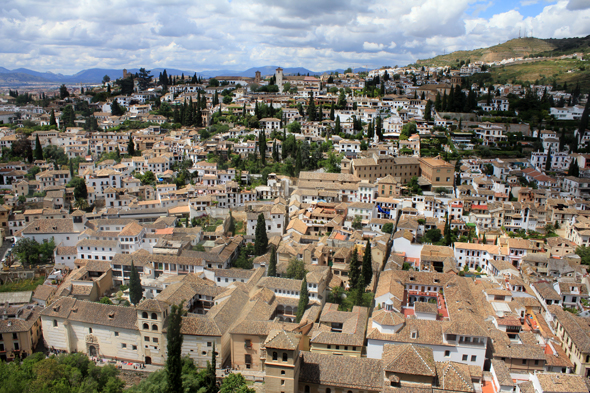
pixel 70 35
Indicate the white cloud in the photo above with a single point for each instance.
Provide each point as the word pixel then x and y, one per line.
pixel 70 35
pixel 372 46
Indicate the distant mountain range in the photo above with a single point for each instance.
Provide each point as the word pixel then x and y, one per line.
pixel 22 76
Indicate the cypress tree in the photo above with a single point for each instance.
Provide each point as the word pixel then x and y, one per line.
pixel 272 264
pixel 135 288
pixel 262 147
pixel 447 231
pixel 298 163
pixel 174 350
pixel 332 111
pixel 367 269
pixel 52 121
pixel 337 129
pixel 354 270
pixel 548 161
pixel 303 300
pixel 211 374
pixel 261 240
pixel 232 223
pixel 38 148
pixel 131 147
pixel 574 169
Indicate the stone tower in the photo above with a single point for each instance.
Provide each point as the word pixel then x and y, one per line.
pixel 257 78
pixel 279 77
pixel 282 362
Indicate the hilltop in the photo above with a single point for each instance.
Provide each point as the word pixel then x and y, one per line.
pixel 518 47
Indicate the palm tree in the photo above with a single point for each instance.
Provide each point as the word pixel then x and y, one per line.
pixel 81 204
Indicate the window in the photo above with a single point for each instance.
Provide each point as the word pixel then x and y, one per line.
pixel 328 390
pixel 146 338
pixel 134 347
pixel 54 323
pixel 275 356
pixel 447 354
pixel 155 339
pixel 465 358
pixel 146 326
pixel 473 358
pixel 116 334
pixel 144 315
pixel 285 357
pixel 154 316
pixel 282 372
pixel 155 327
pixel 306 390
pixel 89 330
pixel 16 347
pixel 123 345
pixel 208 343
pixel 523 361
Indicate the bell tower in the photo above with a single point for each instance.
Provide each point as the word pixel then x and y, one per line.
pixel 282 362
pixel 279 78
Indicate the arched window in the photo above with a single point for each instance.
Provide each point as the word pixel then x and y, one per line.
pixel 144 315
pixel 154 316
pixel 55 323
pixel 328 390
pixel 146 326
pixel 275 356
pixel 285 356
pixel 306 388
pixel 154 327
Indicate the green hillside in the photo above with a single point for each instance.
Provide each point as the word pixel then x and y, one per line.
pixel 544 72
pixel 518 47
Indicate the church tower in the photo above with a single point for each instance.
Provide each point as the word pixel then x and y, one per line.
pixel 282 362
pixel 279 78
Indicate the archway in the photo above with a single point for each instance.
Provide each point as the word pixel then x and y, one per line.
pixel 148 360
pixel 92 351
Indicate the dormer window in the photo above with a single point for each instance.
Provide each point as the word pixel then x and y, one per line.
pixel 414 334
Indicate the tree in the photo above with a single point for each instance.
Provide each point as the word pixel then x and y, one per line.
pixel 106 79
pixel 38 148
pixel 367 269
pixel 432 236
pixel 135 288
pixel 428 110
pixel 262 147
pixel 52 121
pixel 447 232
pixel 116 109
pixel 548 161
pixel 296 269
pixel 303 300
pixel 131 146
pixel 105 300
pixel 584 253
pixel 574 169
pixel 79 185
pixel 143 78
pixel 63 92
pixel 261 239
pixel 68 117
pixel 272 264
pixel 387 228
pixel 174 349
pixel 357 222
pixel 235 383
pixel 354 270
pixel 81 204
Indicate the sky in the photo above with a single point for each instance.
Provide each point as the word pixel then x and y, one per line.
pixel 67 36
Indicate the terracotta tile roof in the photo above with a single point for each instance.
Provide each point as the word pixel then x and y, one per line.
pixel 281 339
pixel 341 371
pixel 559 383
pixel 454 377
pixel 409 359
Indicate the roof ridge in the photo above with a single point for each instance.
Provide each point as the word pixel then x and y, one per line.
pixel 456 372
pixel 421 358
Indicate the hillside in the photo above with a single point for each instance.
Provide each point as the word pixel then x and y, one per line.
pixel 571 71
pixel 518 47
